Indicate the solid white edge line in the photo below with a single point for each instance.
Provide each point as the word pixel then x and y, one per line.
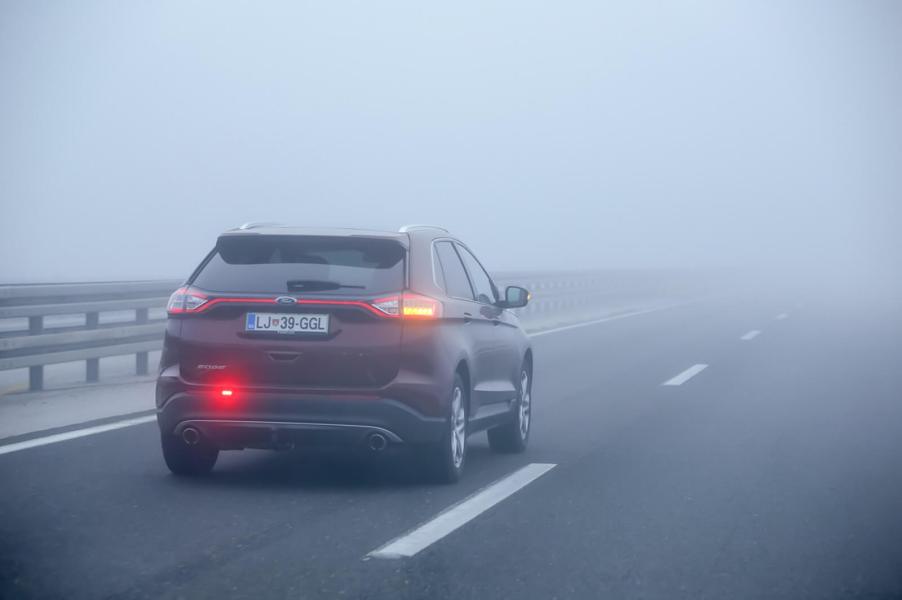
pixel 750 335
pixel 74 434
pixel 460 514
pixel 604 320
pixel 686 375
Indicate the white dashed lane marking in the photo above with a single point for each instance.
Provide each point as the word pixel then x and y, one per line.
pixel 460 514
pixel 686 375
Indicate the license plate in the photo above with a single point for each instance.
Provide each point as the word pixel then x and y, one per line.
pixel 287 323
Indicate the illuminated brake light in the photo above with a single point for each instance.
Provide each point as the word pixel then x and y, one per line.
pixel 185 300
pixel 226 393
pixel 414 306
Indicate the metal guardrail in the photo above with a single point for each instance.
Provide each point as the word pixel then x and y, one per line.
pixel 578 292
pixel 58 323
pixel 85 337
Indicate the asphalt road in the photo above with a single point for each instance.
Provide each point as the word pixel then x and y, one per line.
pixel 774 472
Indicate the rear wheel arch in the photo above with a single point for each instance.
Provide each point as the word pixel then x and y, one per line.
pixel 444 460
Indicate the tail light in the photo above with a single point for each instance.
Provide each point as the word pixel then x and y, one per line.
pixel 414 306
pixel 185 300
pixel 390 306
pixel 409 306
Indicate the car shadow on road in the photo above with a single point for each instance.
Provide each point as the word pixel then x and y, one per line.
pixel 326 470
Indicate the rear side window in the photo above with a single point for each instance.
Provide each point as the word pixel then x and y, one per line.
pixel 482 283
pixel 456 283
pixel 295 264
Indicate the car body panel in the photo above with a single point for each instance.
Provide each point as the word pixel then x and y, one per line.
pixel 369 373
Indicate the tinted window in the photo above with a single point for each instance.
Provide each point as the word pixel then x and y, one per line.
pixel 485 292
pixel 280 264
pixel 456 283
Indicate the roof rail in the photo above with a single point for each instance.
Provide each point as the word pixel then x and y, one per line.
pixel 407 228
pixel 256 224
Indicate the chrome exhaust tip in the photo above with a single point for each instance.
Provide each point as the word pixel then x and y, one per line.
pixel 190 436
pixel 377 442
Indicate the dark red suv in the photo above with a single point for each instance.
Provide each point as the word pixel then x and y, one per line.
pixel 284 337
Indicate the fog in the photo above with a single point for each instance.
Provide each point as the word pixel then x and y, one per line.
pixel 546 135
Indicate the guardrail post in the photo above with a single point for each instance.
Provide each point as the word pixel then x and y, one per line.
pixel 141 315
pixel 35 373
pixel 36 378
pixel 92 365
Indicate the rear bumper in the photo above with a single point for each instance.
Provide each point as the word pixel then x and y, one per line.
pixel 276 418
pixel 235 434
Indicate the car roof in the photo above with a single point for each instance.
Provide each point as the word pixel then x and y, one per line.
pixel 313 231
pixel 288 230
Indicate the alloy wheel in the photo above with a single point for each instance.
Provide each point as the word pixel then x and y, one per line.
pixel 458 428
pixel 525 408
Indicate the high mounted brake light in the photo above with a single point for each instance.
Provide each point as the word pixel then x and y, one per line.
pixel 409 306
pixel 185 300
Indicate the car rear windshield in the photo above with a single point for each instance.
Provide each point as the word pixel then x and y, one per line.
pixel 303 265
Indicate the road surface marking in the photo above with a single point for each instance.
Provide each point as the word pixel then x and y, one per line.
pixel 459 514
pixel 604 320
pixel 782 316
pixel 686 375
pixel 751 335
pixel 77 433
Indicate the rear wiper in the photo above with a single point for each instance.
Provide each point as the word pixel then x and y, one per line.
pixel 318 285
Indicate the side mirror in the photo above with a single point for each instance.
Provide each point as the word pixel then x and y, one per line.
pixel 515 297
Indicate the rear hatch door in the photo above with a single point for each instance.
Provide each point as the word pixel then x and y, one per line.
pixel 295 311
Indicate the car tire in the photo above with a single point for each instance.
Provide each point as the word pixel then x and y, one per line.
pixel 188 461
pixel 446 460
pixel 513 437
